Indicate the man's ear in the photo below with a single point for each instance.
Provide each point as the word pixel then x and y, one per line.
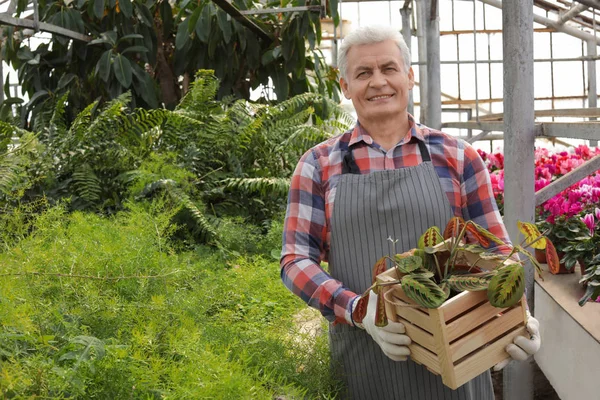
pixel 344 86
pixel 411 78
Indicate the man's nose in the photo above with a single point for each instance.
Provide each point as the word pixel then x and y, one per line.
pixel 377 79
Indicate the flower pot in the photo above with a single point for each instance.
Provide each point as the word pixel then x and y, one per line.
pixel 540 256
pixel 459 340
pixel 581 266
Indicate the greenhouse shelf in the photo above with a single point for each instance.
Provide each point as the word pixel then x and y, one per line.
pixel 570 336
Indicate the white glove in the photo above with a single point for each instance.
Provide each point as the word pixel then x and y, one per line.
pixel 391 338
pixel 522 348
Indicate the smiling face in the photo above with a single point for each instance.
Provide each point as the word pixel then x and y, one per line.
pixel 377 83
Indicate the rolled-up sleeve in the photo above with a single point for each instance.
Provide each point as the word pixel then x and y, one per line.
pixel 477 197
pixel 304 236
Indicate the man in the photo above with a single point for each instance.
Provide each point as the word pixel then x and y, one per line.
pixel 388 177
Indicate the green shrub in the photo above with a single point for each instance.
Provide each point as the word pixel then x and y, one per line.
pixel 105 307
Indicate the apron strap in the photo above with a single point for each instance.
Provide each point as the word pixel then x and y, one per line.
pixel 349 163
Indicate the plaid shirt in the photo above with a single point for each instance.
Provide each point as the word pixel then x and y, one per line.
pixel 463 175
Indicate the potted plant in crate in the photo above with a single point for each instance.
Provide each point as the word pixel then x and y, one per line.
pixel 460 303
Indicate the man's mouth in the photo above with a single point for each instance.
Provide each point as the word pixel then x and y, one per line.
pixel 381 97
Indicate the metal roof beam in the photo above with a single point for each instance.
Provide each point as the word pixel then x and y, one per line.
pixel 572 13
pixel 553 24
pixel 42 26
pixel 235 13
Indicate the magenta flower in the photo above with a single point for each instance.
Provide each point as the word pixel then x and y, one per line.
pixel 597 212
pixel 589 222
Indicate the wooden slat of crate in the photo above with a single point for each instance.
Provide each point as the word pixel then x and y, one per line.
pixel 411 314
pixel 464 301
pixel 418 335
pixel 472 320
pixel 423 356
pixel 496 327
pixel 484 359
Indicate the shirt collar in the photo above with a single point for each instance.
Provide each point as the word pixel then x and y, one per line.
pixel 359 134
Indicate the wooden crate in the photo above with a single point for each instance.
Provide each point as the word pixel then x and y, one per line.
pixel 462 338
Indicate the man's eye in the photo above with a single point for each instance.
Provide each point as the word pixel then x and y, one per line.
pixel 390 69
pixel 362 74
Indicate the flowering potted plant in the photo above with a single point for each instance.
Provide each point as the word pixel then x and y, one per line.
pixel 460 303
pixel 592 281
pixel 571 238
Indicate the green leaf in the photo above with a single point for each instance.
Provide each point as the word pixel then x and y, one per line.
pixel 333 8
pixel 408 264
pixel 591 291
pixel 103 65
pixel 98 8
pixel 166 14
pixel 130 36
pixel 506 288
pixel 99 41
pixel 470 282
pixel 65 80
pixel 224 25
pixel 423 291
pixel 122 69
pixel 193 19
pixel 145 14
pixel 36 96
pixel 110 36
pixel 280 80
pixel 135 49
pixel 126 7
pixel 182 34
pixel 144 86
pixel 267 57
pixel 203 24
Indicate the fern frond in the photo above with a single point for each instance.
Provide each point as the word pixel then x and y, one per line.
pixel 183 200
pixel 86 184
pixel 202 92
pixel 58 125
pixel 82 121
pixel 263 186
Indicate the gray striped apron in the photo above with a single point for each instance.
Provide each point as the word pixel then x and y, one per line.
pixel 400 204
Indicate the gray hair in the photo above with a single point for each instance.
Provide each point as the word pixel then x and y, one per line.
pixel 371 35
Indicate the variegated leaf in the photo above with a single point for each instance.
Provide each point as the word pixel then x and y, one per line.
pixel 408 264
pixel 552 257
pixel 380 267
pixel 470 282
pixel 483 233
pixel 423 272
pixel 454 227
pixel 361 309
pixel 445 288
pixel 506 288
pixel 531 258
pixel 430 238
pixel 532 234
pixel 423 291
pixel 427 260
pixel 380 314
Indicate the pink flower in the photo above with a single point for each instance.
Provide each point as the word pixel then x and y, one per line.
pixel 588 219
pixel 597 212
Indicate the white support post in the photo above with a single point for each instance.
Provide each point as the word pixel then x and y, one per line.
pixel 519 133
pixel 405 12
pixel 592 88
pixel 422 44
pixel 434 85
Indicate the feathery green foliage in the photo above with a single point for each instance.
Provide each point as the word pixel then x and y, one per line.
pixel 105 307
